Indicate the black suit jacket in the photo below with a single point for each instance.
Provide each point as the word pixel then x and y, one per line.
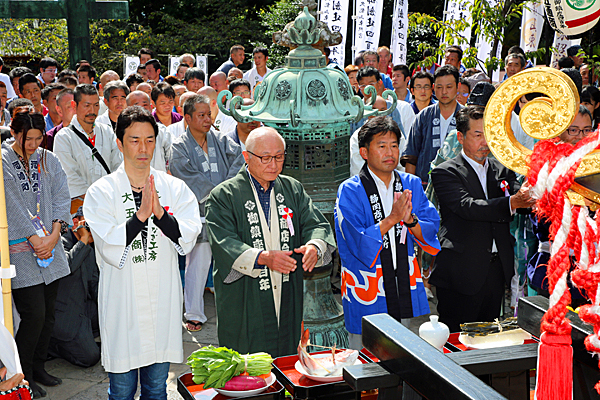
pixel 470 223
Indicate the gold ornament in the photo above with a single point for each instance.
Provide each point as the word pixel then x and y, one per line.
pixel 541 118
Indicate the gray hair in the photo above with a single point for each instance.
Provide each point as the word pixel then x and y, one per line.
pixel 521 58
pixel 115 85
pixel 190 104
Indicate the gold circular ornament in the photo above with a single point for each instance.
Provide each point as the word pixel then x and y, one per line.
pixel 541 118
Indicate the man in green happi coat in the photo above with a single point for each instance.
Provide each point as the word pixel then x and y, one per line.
pixel 264 231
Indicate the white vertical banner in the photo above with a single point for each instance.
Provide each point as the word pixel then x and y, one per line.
pixel 561 44
pixel 202 63
pixel 130 64
pixel 334 14
pixel 173 64
pixel 368 25
pixel 484 51
pixel 399 32
pixel 459 10
pixel 532 23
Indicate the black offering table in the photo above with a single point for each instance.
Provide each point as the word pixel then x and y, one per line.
pixel 585 367
pixel 431 374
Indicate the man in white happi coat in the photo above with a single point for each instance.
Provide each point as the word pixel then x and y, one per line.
pixel 81 145
pixel 140 219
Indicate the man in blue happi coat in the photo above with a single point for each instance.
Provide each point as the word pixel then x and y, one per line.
pixel 379 215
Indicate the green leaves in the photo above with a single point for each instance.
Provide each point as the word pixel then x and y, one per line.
pixel 214 366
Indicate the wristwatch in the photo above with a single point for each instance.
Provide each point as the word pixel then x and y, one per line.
pixel 414 223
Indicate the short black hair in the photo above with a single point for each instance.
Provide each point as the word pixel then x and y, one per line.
pixel 237 83
pixel 262 50
pixel 182 65
pixel 18 72
pixel 592 91
pixel 445 71
pixel 155 63
pixel 68 80
pixel 66 72
pixel 465 82
pixel 327 51
pixel 164 89
pixel 370 53
pixel 465 115
pixel 49 88
pixel 28 78
pixel 48 62
pixel 402 68
pixel 575 77
pixel 566 62
pixel 145 50
pixel 131 115
pixel 455 49
pixel 583 110
pixel 81 62
pixel 135 77
pixel 375 126
pixel 516 50
pixel 18 102
pixel 358 60
pixel 368 71
pixel 91 71
pixel 84 89
pixel 421 75
pixel 194 73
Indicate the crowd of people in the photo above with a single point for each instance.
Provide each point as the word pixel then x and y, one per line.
pixel 115 184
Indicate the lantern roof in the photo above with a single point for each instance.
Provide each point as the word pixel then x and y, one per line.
pixel 306 91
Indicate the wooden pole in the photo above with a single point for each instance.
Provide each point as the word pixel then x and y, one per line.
pixel 5 257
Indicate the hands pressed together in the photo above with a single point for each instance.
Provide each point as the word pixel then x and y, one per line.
pixel 150 202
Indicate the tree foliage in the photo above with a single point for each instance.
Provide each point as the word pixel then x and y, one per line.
pixel 35 37
pixel 489 20
pixel 274 20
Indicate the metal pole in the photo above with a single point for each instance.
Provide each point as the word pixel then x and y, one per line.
pixel 5 258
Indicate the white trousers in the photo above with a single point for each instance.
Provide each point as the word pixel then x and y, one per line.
pixel 197 264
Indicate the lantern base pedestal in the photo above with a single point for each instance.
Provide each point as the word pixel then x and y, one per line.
pixel 323 315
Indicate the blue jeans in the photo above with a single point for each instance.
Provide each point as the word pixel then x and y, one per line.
pixel 153 380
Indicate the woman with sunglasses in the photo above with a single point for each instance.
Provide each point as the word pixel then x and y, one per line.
pixel 37 206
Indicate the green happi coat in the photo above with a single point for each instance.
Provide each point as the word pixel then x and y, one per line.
pixel 244 296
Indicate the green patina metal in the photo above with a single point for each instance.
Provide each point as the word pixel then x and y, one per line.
pixel 312 106
pixel 76 12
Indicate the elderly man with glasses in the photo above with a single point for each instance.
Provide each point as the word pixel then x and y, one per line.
pixel 264 232
pixel 201 157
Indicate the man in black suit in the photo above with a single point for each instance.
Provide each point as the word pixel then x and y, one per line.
pixel 477 197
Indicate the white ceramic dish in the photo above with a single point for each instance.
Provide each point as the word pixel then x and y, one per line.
pixel 503 339
pixel 244 393
pixel 325 379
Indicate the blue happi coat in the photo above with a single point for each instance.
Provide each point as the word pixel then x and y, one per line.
pixel 360 243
